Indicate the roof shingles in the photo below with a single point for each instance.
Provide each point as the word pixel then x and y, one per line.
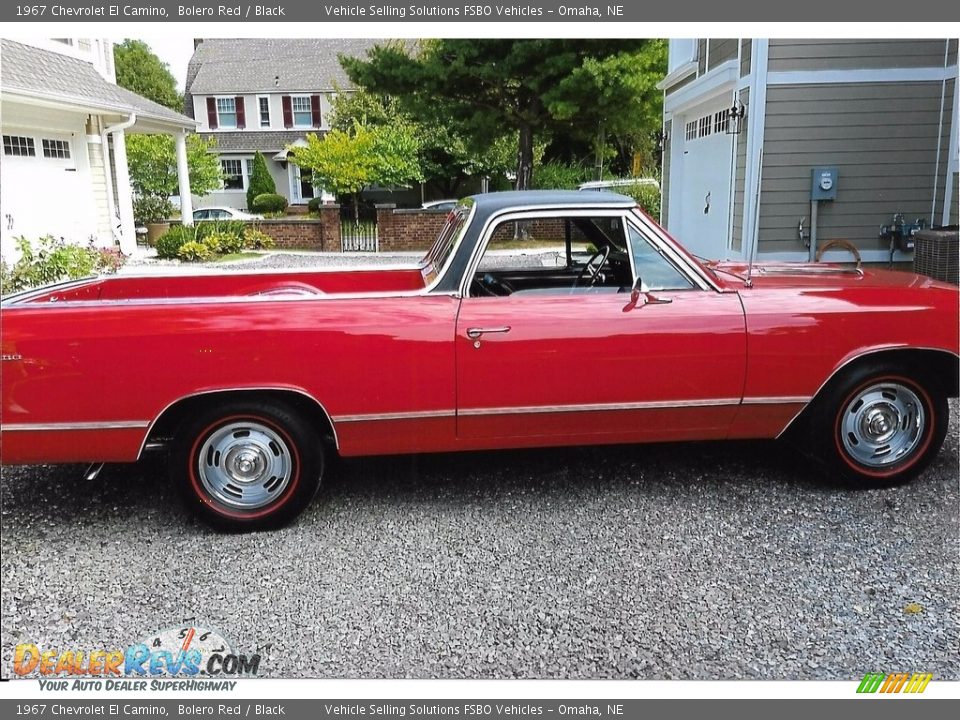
pixel 32 70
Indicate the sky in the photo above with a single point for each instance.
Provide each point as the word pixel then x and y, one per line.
pixel 175 52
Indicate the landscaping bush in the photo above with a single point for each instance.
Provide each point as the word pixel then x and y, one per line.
pixel 224 243
pixel 261 182
pixel 54 260
pixel 168 245
pixel 647 196
pixel 219 227
pixel 556 175
pixel 193 251
pixel 256 239
pixel 151 209
pixel 269 203
pixel 315 204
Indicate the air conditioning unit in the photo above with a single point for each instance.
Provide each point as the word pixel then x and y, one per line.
pixel 937 254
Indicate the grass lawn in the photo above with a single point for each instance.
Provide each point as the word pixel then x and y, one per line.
pixel 229 257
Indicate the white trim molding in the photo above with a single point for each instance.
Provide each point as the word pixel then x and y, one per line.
pixel 953 157
pixel 756 124
pixel 675 76
pixel 844 77
pixel 721 79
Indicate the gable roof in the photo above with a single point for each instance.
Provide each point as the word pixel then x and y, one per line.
pixel 244 65
pixel 49 75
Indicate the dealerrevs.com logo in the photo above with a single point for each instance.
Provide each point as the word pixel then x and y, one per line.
pixel 186 652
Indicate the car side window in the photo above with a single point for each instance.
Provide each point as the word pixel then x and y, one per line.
pixel 655 270
pixel 554 256
pixel 200 215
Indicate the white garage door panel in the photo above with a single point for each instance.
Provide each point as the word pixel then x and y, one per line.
pixel 704 181
pixel 45 195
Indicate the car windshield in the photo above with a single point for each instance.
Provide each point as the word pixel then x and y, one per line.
pixel 441 251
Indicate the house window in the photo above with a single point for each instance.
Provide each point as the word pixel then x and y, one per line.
pixel 232 174
pixel 705 126
pixel 19 146
pixel 302 114
pixel 59 149
pixel 721 121
pixel 264 105
pixel 227 112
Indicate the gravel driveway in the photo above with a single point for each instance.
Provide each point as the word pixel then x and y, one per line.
pixel 695 561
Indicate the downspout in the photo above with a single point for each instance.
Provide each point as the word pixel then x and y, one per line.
pixel 943 99
pixel 108 169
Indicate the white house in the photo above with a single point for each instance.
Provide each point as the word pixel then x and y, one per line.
pixel 881 115
pixel 63 118
pixel 265 94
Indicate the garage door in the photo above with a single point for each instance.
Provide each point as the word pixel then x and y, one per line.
pixel 702 224
pixel 42 190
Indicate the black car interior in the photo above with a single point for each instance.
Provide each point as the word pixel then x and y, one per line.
pixel 605 269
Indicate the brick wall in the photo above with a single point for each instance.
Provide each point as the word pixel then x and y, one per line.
pixel 399 230
pixel 310 233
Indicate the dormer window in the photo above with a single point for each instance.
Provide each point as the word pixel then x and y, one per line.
pixel 227 112
pixel 302 113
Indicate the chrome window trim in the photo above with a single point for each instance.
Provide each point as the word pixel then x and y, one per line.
pixel 546 211
pixel 656 234
pixel 693 278
pixel 453 253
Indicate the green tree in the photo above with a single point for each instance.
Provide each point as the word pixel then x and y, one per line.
pixel 585 88
pixel 261 181
pixel 347 161
pixel 446 156
pixel 152 161
pixel 140 70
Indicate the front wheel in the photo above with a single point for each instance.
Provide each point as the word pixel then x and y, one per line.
pixel 881 426
pixel 247 466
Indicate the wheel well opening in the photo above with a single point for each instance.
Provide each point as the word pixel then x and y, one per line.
pixel 938 365
pixel 168 424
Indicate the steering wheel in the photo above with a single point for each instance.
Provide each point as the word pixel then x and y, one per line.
pixel 592 271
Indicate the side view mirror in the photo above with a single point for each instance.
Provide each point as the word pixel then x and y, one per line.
pixel 640 296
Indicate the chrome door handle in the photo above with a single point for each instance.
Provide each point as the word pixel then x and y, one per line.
pixel 474 333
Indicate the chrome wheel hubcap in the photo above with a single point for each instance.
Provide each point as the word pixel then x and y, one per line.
pixel 245 465
pixel 882 424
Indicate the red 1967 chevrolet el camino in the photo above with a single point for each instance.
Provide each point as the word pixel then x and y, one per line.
pixel 618 336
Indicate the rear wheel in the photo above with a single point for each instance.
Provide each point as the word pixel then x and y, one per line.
pixel 880 425
pixel 247 465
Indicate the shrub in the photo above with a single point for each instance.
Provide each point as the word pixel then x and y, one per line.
pixel 261 182
pixel 269 203
pixel 220 227
pixel 256 239
pixel 224 243
pixel 647 196
pixel 168 245
pixel 193 251
pixel 315 204
pixel 151 209
pixel 556 175
pixel 52 261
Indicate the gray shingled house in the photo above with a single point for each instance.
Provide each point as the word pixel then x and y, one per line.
pixel 64 121
pixel 746 123
pixel 265 94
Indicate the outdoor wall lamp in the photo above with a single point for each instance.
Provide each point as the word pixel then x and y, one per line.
pixel 737 113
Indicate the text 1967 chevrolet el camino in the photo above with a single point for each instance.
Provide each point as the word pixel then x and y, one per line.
pixel 618 336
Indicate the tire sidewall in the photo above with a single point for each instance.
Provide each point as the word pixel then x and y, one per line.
pixel 838 398
pixel 305 450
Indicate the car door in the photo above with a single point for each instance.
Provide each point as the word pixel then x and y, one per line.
pixel 611 366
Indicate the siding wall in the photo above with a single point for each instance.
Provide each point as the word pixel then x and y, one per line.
pixel 665 175
pixel 740 179
pixel 833 54
pixel 886 159
pixel 721 51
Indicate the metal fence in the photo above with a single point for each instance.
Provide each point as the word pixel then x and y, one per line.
pixel 358 235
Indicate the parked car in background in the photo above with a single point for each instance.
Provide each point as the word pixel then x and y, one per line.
pixel 599 185
pixel 223 213
pixel 251 381
pixel 440 205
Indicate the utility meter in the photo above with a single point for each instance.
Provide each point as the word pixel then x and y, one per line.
pixel 824 185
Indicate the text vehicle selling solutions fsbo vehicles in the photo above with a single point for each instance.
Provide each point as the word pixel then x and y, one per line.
pixel 615 335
